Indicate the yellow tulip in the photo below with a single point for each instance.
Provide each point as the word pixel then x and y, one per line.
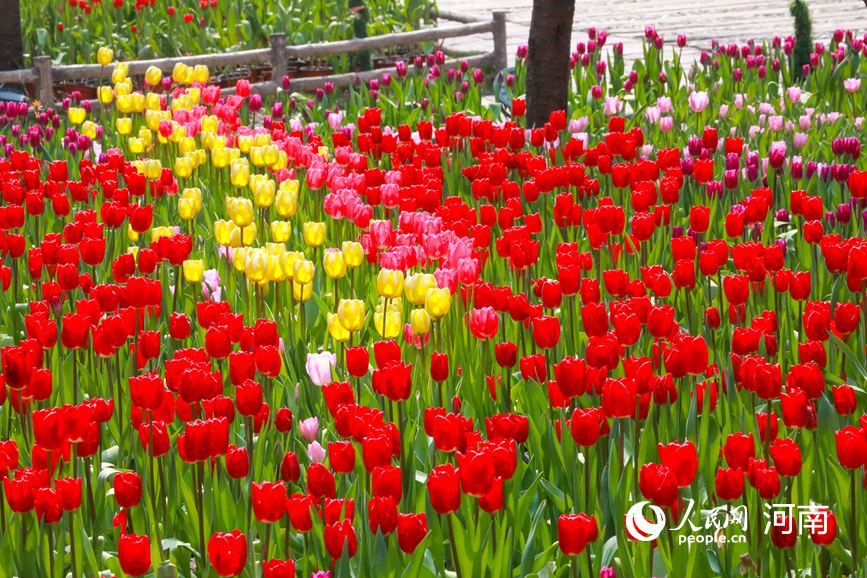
pixel 336 329
pixel 240 173
pixel 76 114
pixel 335 268
pixel 314 233
pixel 239 257
pixel 136 145
pixel 201 73
pixel 186 209
pixel 124 87
pixel 419 322
pixel 123 125
pixel 437 302
pixel 256 265
pixel 153 76
pixel 182 74
pixel 301 292
pixel 120 72
pixel 281 231
pixel 263 190
pixel 194 270
pixel 287 205
pixel 389 283
pixel 351 313
pixel 391 320
pixel 104 55
pixel 89 129
pixel 353 253
pixel 223 232
pixel 250 232
pixel 273 269
pixel 131 234
pixel 245 143
pixel 158 232
pixel 240 210
pixel 302 271
pixel 105 94
pixel 417 287
pixel 183 167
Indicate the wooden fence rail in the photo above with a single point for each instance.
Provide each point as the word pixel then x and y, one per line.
pixel 44 74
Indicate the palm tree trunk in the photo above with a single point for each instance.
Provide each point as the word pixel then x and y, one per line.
pixel 548 59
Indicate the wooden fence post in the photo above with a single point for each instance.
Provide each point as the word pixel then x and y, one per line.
pixel 501 51
pixel 278 58
pixel 45 81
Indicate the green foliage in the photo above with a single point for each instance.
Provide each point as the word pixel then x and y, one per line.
pixel 803 35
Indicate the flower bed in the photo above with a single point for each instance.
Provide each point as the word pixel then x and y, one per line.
pixel 390 331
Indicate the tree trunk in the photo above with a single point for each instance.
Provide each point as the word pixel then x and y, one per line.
pixel 11 46
pixel 548 59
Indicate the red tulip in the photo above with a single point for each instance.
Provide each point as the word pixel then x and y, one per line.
pixel 357 360
pixel 134 554
pixel 268 500
pixel 851 447
pixel 575 531
pixel 290 470
pixel 823 526
pixel 386 482
pixel 586 426
pixel 658 483
pixel 787 457
pixel 382 515
pixel 729 483
pixel 439 366
pixel 320 481
pixel 278 569
pixel 476 469
pixel 237 462
pixel 682 459
pixel 127 489
pixel 444 489
pixel 411 530
pixel 340 537
pixel 784 532
pixel 298 507
pixel 228 552
pixel 341 456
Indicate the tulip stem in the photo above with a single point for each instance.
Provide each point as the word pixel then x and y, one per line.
pixel 73 561
pixel 50 530
pixel 454 546
pixel 853 522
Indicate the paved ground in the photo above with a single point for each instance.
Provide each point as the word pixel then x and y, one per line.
pixel 725 20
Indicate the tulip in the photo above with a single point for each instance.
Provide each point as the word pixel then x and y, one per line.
pixel 227 552
pixel 351 313
pixel 193 270
pixel 134 554
pixel 443 484
pixel 127 489
pixel 411 530
pixel 437 302
pixel 278 569
pixel 389 283
pixel 313 233
pixel 319 367
pixel 104 57
pixel 575 531
pixel 309 428
pixel 268 500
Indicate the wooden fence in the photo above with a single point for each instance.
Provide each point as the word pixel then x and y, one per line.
pixel 45 74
